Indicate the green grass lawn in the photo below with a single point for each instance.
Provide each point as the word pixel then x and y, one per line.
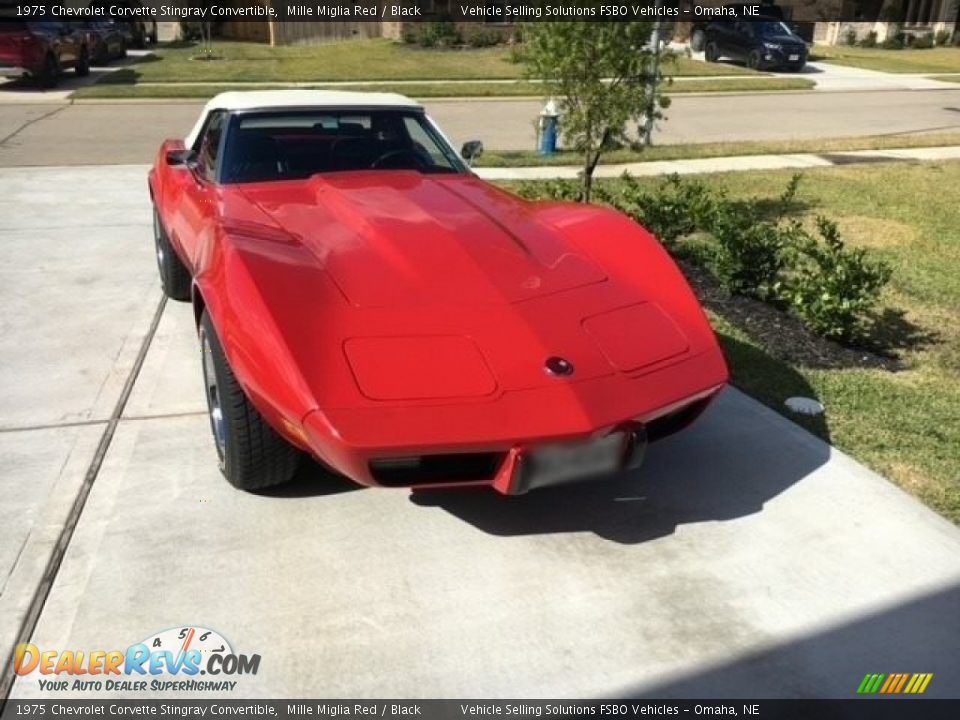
pixel 933 60
pixel 377 59
pixel 519 88
pixel 904 424
pixel 723 149
pixel 946 78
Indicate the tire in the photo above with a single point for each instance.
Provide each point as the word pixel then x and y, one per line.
pixel 82 68
pixel 140 39
pixel 50 74
pixel 710 53
pixel 753 60
pixel 697 40
pixel 252 455
pixel 174 276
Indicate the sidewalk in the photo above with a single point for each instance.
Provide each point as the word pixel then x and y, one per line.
pixel 724 164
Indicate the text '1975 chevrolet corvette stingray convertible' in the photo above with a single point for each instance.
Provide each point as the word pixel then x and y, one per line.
pixel 362 297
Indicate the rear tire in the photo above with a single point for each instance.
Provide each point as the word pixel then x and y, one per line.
pixel 82 68
pixel 710 52
pixel 252 454
pixel 174 276
pixel 48 76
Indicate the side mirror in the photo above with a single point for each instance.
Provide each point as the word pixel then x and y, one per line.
pixel 181 157
pixel 471 149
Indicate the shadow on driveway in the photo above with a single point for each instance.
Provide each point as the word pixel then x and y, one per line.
pixel 921 635
pixel 737 457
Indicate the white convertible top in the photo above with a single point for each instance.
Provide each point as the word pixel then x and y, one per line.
pixel 266 99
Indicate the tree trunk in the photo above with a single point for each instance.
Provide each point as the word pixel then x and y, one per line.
pixel 590 164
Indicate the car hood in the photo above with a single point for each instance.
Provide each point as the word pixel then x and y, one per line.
pixel 402 238
pixel 791 40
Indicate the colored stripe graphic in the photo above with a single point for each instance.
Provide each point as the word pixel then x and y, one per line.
pixel 908 683
pixel 903 680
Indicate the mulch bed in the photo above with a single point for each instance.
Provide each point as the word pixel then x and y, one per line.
pixel 783 336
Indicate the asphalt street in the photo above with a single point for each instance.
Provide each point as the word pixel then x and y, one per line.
pixel 57 133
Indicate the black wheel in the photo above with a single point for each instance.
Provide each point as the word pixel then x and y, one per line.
pixel 153 38
pixel 82 68
pixel 697 39
pixel 48 76
pixel 174 276
pixel 252 454
pixel 753 60
pixel 123 49
pixel 139 39
pixel 710 52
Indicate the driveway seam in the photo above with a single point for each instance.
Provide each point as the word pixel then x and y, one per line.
pixel 31 122
pixel 35 609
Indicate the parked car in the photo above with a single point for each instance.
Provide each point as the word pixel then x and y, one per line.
pixel 136 32
pixel 762 44
pixel 698 30
pixel 362 297
pixel 107 41
pixel 42 50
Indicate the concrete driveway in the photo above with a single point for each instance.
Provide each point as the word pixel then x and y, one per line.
pixel 746 559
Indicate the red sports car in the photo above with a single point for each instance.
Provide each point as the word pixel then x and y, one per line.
pixel 362 297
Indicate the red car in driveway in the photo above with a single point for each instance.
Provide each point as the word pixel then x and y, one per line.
pixel 362 297
pixel 42 50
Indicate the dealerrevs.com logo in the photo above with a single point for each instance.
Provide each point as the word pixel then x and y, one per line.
pixel 171 660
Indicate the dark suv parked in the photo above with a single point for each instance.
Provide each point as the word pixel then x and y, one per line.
pixel 766 44
pixel 41 50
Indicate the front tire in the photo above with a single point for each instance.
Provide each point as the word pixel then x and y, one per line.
pixel 697 40
pixel 174 276
pixel 710 53
pixel 252 455
pixel 753 60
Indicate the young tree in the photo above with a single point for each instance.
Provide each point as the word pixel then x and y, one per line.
pixel 601 73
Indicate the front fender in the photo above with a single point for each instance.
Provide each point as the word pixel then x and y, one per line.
pixel 252 342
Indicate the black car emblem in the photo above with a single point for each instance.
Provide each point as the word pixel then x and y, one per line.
pixel 558 366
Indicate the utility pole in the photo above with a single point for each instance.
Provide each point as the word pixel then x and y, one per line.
pixel 654 78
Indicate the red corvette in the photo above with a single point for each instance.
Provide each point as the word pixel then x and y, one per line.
pixel 364 298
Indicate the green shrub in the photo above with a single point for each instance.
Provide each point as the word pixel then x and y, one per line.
pixel 549 189
pixel 834 288
pixel 750 257
pixel 478 36
pixel 893 42
pixel 850 37
pixel 439 33
pixel 869 40
pixel 672 210
pixel 942 37
pixel 923 42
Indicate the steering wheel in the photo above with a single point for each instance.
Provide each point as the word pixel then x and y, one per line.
pixel 396 153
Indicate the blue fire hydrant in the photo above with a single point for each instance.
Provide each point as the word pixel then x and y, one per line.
pixel 548 128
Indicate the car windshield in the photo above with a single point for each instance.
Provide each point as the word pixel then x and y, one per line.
pixel 287 145
pixel 770 28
